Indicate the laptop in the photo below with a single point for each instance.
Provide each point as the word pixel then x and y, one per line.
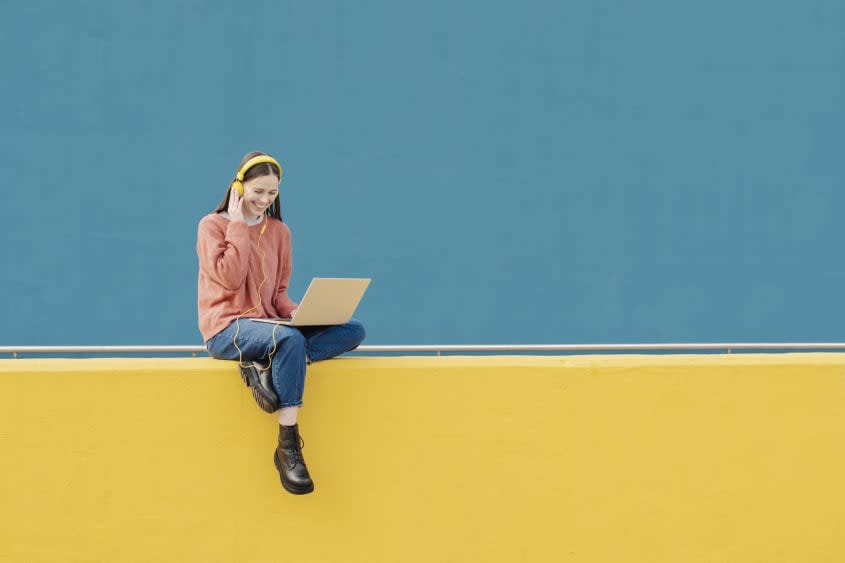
pixel 327 301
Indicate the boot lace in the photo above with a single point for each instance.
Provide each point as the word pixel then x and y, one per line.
pixel 294 455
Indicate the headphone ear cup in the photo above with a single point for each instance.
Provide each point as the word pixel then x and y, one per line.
pixel 238 185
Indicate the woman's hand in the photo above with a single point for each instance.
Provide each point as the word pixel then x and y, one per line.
pixel 236 212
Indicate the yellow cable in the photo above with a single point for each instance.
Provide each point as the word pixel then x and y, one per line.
pixel 240 316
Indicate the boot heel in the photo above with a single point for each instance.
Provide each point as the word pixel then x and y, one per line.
pixel 261 386
pixel 267 404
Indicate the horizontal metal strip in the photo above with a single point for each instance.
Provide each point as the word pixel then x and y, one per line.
pixel 445 348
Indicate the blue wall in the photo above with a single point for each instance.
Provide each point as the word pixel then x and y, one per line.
pixel 507 172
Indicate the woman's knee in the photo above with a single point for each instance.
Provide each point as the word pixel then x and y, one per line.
pixel 357 332
pixel 289 340
pixel 293 337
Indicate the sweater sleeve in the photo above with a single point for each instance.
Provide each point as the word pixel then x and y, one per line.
pixel 224 253
pixel 281 302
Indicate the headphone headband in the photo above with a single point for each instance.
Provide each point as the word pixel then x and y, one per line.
pixel 260 159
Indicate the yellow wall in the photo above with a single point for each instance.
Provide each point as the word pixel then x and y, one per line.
pixel 735 458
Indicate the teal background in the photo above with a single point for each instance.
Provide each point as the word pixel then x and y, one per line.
pixel 506 172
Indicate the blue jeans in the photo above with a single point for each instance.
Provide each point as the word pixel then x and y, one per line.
pixel 294 346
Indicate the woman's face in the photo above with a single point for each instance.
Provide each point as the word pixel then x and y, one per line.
pixel 259 194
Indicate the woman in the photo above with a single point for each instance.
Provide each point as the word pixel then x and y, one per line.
pixel 244 252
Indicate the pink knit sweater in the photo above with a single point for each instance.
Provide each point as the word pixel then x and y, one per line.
pixel 230 272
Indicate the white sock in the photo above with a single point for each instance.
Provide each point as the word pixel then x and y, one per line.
pixel 287 416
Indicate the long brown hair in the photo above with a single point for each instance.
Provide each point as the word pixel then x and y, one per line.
pixel 263 169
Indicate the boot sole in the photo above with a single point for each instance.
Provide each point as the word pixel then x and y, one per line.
pixel 264 403
pixel 290 488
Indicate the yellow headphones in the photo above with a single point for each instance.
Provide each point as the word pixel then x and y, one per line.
pixel 238 182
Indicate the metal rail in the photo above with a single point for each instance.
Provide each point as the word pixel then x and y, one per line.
pixel 438 349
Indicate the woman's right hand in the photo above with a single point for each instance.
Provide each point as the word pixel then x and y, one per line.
pixel 236 212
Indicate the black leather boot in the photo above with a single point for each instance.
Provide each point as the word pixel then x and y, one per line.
pixel 259 378
pixel 289 462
